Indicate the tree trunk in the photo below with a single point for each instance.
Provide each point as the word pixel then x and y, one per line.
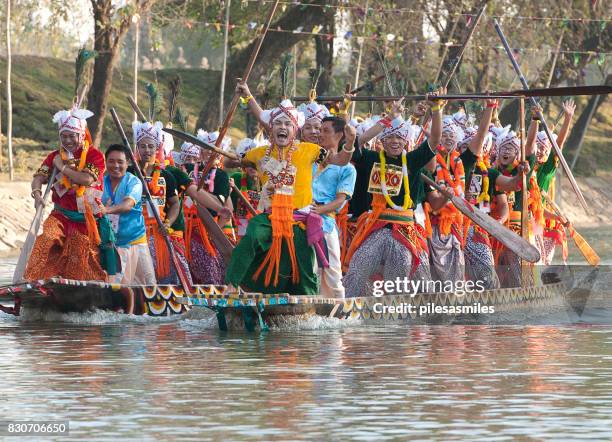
pixel 273 47
pixel 325 53
pixel 576 136
pixel 107 42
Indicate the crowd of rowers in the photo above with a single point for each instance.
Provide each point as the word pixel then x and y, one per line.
pixel 339 203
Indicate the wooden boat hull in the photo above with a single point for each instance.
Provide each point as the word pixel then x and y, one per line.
pixel 259 311
pixel 67 295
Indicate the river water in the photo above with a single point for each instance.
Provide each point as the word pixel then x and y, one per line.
pixel 113 376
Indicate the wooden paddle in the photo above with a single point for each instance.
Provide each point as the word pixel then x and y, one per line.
pixel 532 100
pixel 28 245
pixel 587 251
pixel 506 236
pixel 234 104
pixel 453 67
pixel 136 109
pixel 245 200
pixel 184 280
pixel 195 140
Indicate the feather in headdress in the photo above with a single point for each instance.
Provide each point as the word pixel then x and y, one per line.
pixel 314 75
pixel 154 101
pixel 174 91
pixel 82 73
pixel 285 72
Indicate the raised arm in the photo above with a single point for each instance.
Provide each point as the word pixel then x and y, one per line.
pixel 435 135
pixel 243 90
pixel 483 126
pixel 530 144
pixel 343 156
pixel 569 107
pixel 397 108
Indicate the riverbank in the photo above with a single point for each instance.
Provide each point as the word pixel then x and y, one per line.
pixel 17 210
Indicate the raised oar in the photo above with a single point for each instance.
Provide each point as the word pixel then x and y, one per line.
pixel 587 251
pixel 541 92
pixel 245 200
pixel 28 245
pixel 195 140
pixel 234 104
pixel 136 109
pixel 453 67
pixel 145 188
pixel 506 236
pixel 532 100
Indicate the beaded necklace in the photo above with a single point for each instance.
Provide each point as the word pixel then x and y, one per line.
pixel 284 177
pixel 383 182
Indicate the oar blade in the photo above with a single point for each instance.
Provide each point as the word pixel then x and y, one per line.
pixel 587 251
pixel 507 237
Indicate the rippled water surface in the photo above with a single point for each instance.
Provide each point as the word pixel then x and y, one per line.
pixel 115 377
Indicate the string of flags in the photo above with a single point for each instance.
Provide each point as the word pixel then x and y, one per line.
pixel 390 37
pixel 374 10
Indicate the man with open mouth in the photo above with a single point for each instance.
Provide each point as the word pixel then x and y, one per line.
pixel 277 253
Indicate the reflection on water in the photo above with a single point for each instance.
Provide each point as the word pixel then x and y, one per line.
pixel 115 376
pixel 158 381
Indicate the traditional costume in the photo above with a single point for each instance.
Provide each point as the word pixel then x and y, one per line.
pixel 129 227
pixel 163 184
pixel 76 242
pixel 388 241
pixel 447 237
pixel 509 264
pixel 206 263
pixel 480 192
pixel 249 186
pixel 277 253
pixel 328 181
pixel 546 169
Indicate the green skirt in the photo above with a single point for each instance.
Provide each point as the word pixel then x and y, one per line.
pixel 251 251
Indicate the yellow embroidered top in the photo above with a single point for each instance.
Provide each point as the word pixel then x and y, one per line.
pixel 303 159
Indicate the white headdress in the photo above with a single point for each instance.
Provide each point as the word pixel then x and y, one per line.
pixel 469 134
pixel 284 109
pixel 73 120
pixel 148 130
pixel 313 111
pixel 400 128
pixel 211 138
pixel 543 141
pixel 189 150
pixel 509 139
pixel 449 124
pixel 461 119
pixel 247 144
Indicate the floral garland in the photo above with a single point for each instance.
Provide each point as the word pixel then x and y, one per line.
pixel 484 194
pixel 383 183
pixel 154 183
pixel 284 177
pixel 443 175
pixel 80 190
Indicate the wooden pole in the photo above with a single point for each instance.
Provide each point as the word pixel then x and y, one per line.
pixel 224 70
pixel 136 21
pixel 234 104
pixel 9 99
pixel 363 29
pixel 524 212
pixel 295 67
pixel 1 156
